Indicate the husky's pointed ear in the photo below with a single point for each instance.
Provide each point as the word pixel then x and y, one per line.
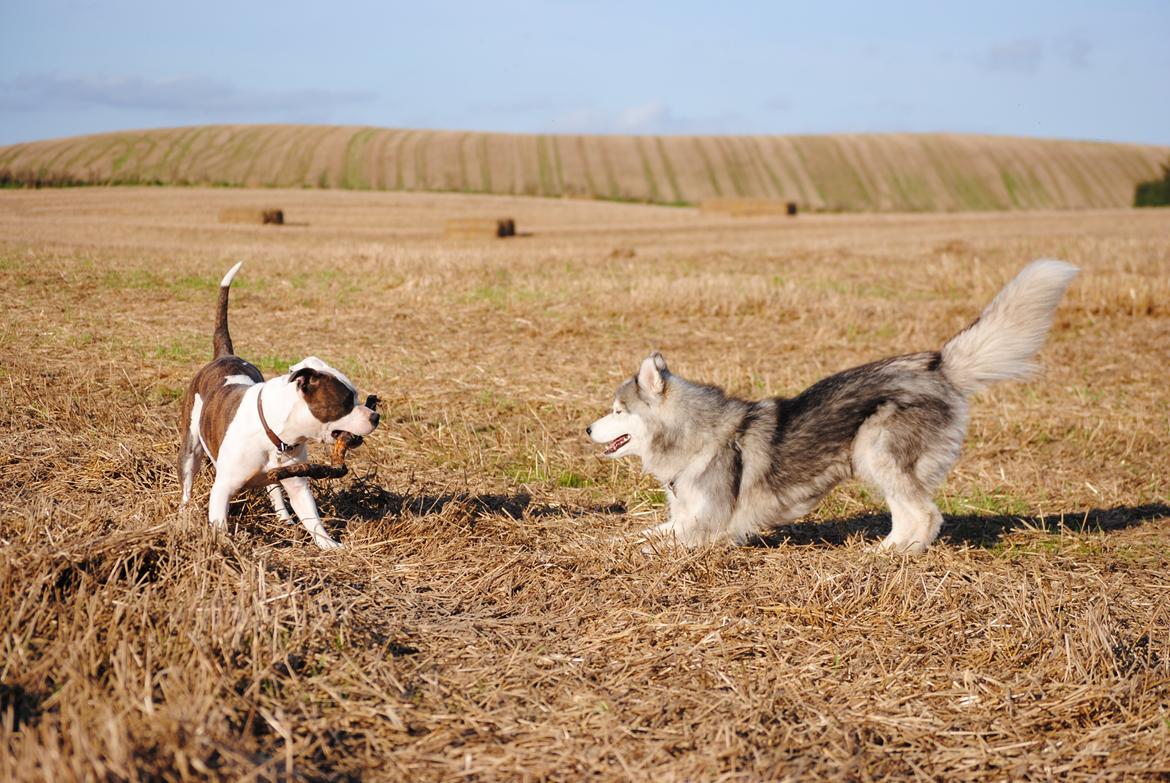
pixel 652 374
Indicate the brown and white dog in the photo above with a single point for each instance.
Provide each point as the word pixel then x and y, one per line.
pixel 246 425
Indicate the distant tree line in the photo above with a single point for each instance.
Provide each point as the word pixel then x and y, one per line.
pixel 1154 192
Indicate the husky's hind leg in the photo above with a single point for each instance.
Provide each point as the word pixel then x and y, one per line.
pixel 906 455
pixel 916 520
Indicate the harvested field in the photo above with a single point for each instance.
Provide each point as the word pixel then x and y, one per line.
pixel 489 618
pixel 748 207
pixel 479 228
pixel 250 215
pixel 836 173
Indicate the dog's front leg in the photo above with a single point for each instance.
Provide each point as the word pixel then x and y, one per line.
pixel 305 507
pixel 222 492
pixel 277 498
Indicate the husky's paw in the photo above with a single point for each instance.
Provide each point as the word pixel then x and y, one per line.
pixel 894 546
pixel 655 540
pixel 655 546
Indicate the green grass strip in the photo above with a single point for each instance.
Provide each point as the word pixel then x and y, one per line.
pixel 669 169
pixel 707 167
pixel 647 170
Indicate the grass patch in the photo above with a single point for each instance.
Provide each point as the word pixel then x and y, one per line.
pixel 568 478
pixel 147 280
pixel 164 394
pixel 184 352
pixel 991 502
pixel 277 364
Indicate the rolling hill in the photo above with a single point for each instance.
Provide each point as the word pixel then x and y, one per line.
pixel 847 172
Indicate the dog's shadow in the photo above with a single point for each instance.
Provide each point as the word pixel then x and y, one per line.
pixel 369 502
pixel 971 529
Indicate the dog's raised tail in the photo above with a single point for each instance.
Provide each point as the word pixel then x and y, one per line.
pixel 223 339
pixel 1000 345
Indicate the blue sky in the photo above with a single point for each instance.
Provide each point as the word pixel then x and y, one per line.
pixel 1052 69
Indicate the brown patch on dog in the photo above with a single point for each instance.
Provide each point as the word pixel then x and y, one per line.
pixel 328 398
pixel 220 401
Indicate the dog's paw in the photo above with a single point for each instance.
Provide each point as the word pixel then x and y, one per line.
pixel 325 543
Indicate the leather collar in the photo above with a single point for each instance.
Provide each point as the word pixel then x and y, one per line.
pixel 281 446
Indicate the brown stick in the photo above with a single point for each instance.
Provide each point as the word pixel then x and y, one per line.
pixel 312 470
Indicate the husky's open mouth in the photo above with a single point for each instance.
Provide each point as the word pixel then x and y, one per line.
pixel 617 443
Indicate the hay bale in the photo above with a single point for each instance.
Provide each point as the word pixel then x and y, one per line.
pixel 480 228
pixel 251 215
pixel 748 207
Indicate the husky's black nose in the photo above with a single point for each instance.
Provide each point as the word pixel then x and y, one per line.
pixel 375 417
pixel 589 430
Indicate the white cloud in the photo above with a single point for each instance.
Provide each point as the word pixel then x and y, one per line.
pixel 185 94
pixel 651 117
pixel 1075 50
pixel 1022 56
pixel 778 105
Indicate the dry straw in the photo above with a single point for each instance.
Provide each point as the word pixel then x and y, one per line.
pixel 489 619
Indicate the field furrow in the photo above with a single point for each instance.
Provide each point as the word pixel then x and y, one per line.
pixel 848 172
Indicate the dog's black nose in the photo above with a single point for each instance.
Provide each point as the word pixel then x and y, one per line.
pixel 375 417
pixel 589 430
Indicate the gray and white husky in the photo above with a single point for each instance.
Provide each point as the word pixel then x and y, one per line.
pixel 734 468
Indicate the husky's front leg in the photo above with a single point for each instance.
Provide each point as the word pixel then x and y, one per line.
pixel 694 520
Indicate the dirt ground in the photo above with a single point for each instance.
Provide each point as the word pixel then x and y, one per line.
pixel 491 617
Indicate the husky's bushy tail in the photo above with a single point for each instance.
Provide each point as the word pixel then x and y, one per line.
pixel 222 343
pixel 1000 344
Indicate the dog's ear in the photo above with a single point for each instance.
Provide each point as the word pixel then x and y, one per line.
pixel 652 374
pixel 305 379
